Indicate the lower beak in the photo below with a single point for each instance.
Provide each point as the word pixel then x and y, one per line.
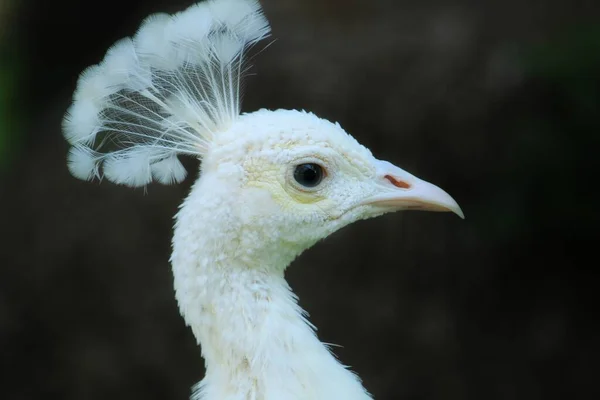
pixel 403 191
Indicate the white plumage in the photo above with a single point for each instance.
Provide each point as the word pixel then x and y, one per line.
pixel 164 92
pixel 272 183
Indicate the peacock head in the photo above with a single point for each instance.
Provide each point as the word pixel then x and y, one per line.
pixel 174 89
pixel 304 177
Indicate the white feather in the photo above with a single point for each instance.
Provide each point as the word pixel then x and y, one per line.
pixel 226 48
pixel 193 24
pixel 233 12
pixel 131 168
pixel 92 86
pixel 243 16
pixel 152 44
pixel 82 163
pixel 122 68
pixel 167 91
pixel 82 121
pixel 168 171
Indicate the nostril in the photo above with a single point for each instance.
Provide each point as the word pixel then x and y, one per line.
pixel 397 183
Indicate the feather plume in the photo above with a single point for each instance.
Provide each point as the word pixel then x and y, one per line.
pixel 165 92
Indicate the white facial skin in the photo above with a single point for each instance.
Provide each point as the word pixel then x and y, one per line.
pixel 354 185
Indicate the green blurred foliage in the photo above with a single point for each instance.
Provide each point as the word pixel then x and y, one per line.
pixel 9 62
pixel 568 129
pixel 549 147
pixel 6 123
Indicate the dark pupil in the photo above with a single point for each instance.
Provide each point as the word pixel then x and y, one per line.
pixel 308 175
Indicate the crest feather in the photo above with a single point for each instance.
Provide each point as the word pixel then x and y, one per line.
pixel 165 92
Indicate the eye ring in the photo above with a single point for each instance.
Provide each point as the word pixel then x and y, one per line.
pixel 309 175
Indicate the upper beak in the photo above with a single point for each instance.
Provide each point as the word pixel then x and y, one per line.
pixel 404 191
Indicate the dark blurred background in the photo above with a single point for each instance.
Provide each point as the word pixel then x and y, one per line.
pixel 497 101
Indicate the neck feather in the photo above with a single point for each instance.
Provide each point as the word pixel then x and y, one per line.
pixel 230 287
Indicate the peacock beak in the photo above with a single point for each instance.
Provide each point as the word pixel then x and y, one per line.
pixel 401 190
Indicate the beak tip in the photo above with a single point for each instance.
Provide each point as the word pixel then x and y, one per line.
pixel 455 208
pixel 460 213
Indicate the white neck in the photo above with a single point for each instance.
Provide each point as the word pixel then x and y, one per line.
pixel 231 291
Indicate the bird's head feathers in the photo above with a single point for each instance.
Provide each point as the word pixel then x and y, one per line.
pixel 167 91
pixel 304 177
pixel 174 89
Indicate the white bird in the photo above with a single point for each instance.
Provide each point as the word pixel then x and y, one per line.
pixel 271 184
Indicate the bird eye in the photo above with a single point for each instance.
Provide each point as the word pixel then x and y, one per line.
pixel 308 175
